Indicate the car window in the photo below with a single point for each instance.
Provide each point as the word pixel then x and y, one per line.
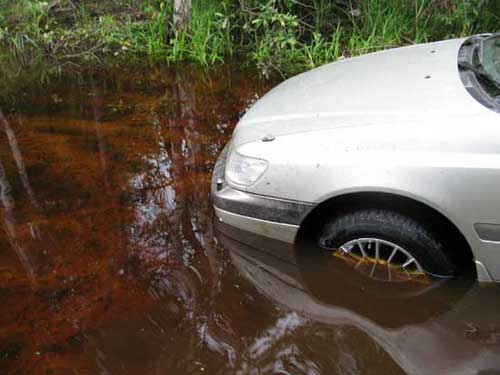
pixel 490 57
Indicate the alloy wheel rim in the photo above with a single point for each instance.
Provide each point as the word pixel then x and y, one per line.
pixel 381 260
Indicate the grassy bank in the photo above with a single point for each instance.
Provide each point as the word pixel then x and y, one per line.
pixel 275 36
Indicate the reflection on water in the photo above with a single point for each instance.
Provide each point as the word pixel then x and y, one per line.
pixel 109 262
pixel 452 327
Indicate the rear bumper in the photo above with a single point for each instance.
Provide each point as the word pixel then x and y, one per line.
pixel 269 217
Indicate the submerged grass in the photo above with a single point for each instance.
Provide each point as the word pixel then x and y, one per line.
pixel 274 35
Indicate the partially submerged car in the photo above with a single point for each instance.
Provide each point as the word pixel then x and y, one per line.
pixel 391 158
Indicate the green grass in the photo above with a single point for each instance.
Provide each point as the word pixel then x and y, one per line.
pixel 288 45
pixel 284 36
pixel 385 24
pixel 209 38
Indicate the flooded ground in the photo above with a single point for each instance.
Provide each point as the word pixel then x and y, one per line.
pixel 111 263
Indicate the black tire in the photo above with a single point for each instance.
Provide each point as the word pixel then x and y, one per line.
pixel 421 242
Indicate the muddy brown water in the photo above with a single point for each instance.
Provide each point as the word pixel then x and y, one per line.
pixel 111 262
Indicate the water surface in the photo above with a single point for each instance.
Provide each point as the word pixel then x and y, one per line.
pixel 110 262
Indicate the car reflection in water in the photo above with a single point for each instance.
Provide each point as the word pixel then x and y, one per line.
pixel 448 327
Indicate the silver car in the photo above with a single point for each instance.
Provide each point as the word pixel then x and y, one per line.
pixel 391 159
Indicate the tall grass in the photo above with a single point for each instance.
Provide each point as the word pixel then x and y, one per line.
pixel 209 39
pixel 289 44
pixel 384 24
pixel 273 35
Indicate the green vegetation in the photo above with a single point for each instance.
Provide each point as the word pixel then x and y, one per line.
pixel 276 36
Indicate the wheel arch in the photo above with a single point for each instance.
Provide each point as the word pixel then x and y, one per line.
pixel 431 216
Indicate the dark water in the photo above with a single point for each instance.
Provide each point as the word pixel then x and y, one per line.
pixel 111 263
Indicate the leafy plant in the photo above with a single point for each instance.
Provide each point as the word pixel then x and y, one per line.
pixel 283 36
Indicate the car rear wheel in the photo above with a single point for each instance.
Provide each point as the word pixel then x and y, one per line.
pixel 387 246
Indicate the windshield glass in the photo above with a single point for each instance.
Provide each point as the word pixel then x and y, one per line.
pixel 490 57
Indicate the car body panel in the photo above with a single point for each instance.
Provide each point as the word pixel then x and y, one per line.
pixel 397 121
pixel 411 81
pixel 272 229
pixel 463 186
